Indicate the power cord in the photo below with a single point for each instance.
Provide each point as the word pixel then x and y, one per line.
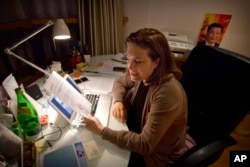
pixel 46 136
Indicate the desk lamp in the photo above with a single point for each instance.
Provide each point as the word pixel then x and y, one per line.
pixel 60 32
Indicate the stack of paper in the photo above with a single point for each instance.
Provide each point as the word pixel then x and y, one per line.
pixel 120 57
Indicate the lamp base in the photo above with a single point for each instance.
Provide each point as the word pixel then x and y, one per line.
pixel 66 66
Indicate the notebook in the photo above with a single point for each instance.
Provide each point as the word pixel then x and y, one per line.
pixel 103 104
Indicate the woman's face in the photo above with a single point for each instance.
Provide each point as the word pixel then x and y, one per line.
pixel 140 66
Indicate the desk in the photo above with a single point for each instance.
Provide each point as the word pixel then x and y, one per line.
pixel 111 155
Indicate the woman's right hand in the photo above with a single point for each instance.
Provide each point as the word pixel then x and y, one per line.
pixel 119 111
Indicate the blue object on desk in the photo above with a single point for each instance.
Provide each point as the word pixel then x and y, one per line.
pixel 71 155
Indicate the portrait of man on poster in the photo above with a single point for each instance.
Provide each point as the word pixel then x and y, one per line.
pixel 213 33
pixel 213 29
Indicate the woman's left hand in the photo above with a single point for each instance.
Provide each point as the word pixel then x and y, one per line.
pixel 93 124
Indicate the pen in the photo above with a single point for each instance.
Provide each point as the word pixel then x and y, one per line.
pixel 94 75
pixel 96 72
pixel 118 61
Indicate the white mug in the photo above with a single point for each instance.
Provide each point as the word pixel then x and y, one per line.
pixel 87 58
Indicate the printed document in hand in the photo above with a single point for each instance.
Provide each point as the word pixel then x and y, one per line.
pixel 59 87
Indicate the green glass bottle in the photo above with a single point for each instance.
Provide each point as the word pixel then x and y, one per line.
pixel 26 114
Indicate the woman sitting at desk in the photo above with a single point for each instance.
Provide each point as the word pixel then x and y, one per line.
pixel 156 111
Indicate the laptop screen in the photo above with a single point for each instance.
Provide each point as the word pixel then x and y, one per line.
pixel 65 109
pixel 72 83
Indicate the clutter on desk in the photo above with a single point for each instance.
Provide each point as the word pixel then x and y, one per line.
pixel 79 57
pixel 26 114
pixel 119 69
pixel 44 116
pixel 10 84
pixel 55 66
pixel 34 91
pixel 97 84
pixel 22 115
pixel 76 57
pixel 68 155
pixel 120 57
pixel 6 116
pixel 76 74
pixel 80 80
pixel 8 120
pixel 81 66
pixel 109 66
pixel 10 147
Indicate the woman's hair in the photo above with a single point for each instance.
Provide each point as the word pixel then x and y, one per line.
pixel 157 45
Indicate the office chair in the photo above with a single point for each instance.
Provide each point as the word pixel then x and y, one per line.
pixel 217 84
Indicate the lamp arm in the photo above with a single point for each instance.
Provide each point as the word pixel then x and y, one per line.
pixel 10 52
pixel 49 23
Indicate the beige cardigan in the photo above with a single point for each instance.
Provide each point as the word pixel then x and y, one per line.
pixel 164 120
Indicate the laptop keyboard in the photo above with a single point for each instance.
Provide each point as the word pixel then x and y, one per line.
pixel 93 99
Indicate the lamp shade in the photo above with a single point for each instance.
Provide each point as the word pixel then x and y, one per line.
pixel 61 30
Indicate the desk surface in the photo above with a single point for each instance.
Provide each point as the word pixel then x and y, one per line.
pixel 111 155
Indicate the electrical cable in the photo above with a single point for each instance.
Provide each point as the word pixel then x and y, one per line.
pixel 49 141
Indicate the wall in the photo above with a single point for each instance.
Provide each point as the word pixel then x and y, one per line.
pixel 186 16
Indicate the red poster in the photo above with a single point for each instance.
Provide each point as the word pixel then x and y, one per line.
pixel 213 29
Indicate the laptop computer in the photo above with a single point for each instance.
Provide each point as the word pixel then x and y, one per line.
pixel 100 106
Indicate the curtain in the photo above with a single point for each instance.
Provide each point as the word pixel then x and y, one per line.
pixel 100 24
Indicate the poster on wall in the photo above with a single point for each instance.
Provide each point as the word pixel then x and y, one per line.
pixel 213 29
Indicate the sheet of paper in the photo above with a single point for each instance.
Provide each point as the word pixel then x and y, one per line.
pixel 91 149
pixel 108 65
pixel 10 85
pixel 120 57
pixel 59 87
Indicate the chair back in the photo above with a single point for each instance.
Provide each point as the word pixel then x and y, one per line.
pixel 217 84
